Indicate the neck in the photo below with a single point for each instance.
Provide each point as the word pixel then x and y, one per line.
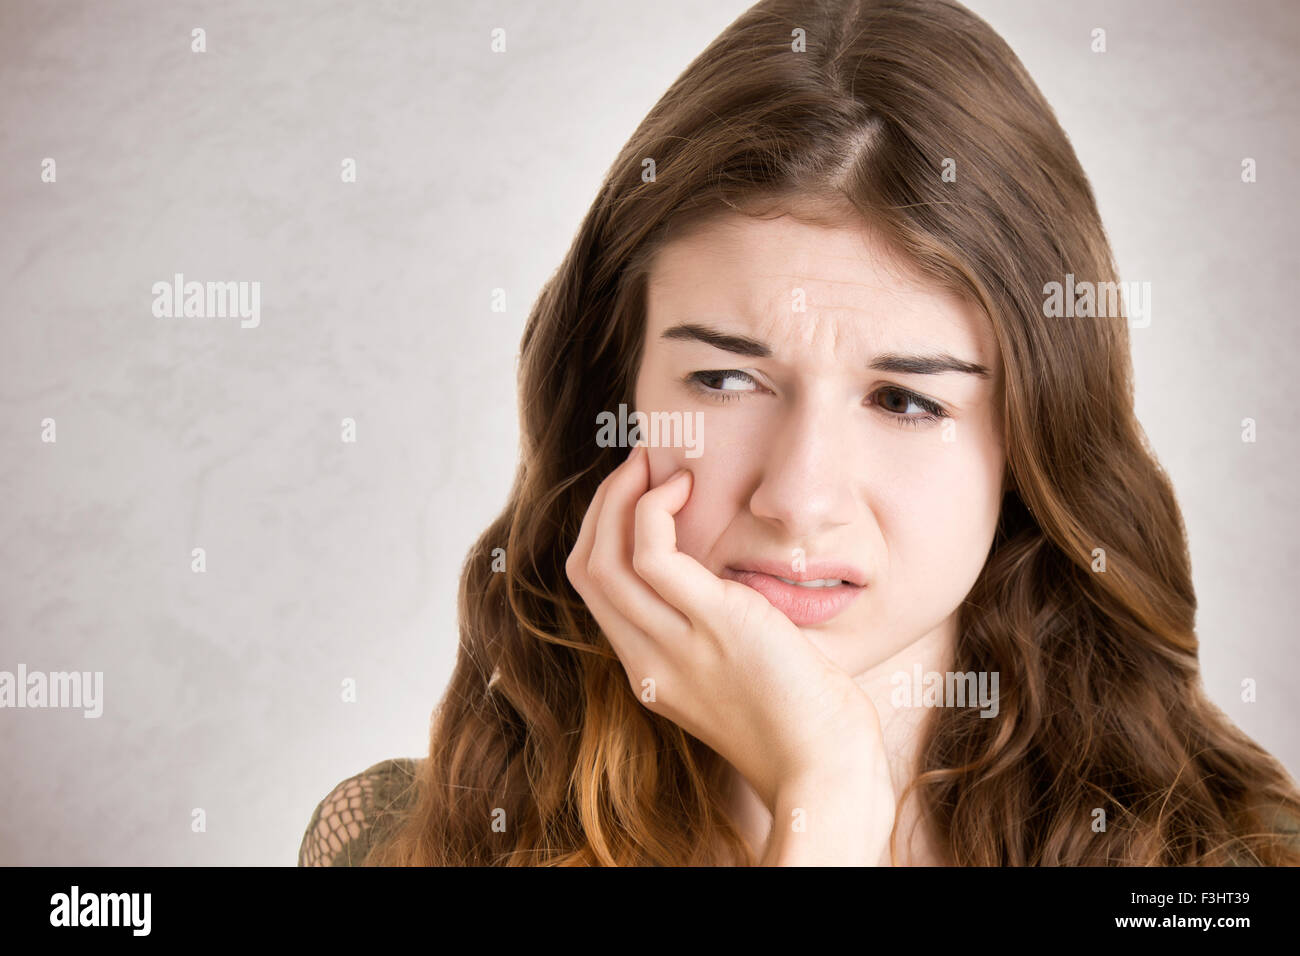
pixel 901 729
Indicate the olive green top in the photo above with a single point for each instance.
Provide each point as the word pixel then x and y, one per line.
pixel 366 807
pixel 358 813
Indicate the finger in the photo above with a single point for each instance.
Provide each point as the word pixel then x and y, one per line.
pixel 611 555
pixel 576 566
pixel 624 637
pixel 675 576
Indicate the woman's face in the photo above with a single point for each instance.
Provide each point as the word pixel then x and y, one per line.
pixel 808 453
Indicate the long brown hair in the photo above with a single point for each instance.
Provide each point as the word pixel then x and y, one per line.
pixel 540 751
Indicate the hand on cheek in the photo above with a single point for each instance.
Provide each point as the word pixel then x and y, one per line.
pixel 712 655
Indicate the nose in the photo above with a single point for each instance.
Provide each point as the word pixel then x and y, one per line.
pixel 806 482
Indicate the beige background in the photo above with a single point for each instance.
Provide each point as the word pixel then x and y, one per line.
pixel 328 561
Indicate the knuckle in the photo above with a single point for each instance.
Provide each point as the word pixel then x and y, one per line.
pixel 597 571
pixel 641 564
pixel 576 570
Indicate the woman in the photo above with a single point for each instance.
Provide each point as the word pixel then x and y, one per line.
pixel 827 248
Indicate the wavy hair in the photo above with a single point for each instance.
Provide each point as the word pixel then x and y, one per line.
pixel 540 752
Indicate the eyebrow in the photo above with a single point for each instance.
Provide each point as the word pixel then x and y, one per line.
pixel 934 363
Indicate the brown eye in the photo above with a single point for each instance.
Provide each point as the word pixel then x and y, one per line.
pixel 896 401
pixel 896 398
pixel 712 384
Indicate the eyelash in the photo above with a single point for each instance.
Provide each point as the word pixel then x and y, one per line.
pixel 934 411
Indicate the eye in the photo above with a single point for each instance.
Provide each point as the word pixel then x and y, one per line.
pixel 711 384
pixel 699 381
pixel 933 411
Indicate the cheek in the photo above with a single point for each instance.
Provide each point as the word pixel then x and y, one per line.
pixel 716 497
pixel 943 526
pixel 717 474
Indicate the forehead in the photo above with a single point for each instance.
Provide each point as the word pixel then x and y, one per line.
pixel 857 294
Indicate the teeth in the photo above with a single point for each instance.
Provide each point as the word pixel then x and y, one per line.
pixel 816 583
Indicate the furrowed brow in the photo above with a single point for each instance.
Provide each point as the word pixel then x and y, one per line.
pixel 932 364
pixel 739 344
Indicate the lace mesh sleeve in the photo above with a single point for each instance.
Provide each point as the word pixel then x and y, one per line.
pixel 355 813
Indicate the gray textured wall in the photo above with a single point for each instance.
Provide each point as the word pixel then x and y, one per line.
pixel 328 560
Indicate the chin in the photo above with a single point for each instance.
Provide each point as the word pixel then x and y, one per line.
pixel 837 645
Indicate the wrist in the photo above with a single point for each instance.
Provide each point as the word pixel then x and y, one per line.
pixel 855 761
pixel 825 819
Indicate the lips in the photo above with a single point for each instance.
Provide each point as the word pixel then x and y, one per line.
pixel 811 572
pixel 804 606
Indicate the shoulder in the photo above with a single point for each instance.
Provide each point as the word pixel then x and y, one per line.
pixel 356 811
